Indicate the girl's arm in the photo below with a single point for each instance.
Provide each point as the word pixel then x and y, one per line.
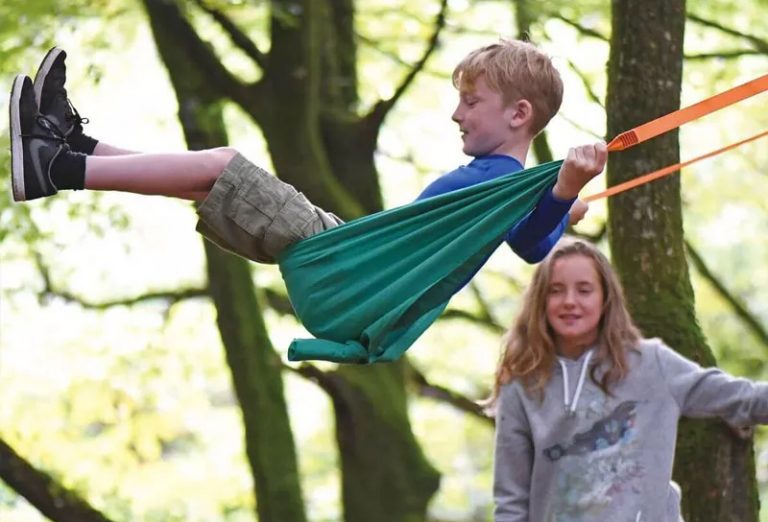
pixel 710 392
pixel 513 459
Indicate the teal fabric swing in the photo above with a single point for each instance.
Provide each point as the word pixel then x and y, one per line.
pixel 370 287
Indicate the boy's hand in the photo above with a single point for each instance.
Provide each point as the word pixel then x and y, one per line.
pixel 580 165
pixel 577 212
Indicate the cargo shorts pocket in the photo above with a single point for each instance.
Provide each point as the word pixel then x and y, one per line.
pixel 273 213
pixel 297 220
pixel 258 198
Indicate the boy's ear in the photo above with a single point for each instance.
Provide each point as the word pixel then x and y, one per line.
pixel 521 114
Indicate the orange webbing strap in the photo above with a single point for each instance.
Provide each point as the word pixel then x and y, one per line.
pixel 645 178
pixel 677 118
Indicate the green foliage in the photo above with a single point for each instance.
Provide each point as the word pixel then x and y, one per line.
pixel 133 405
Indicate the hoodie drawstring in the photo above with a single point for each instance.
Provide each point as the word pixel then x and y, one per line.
pixel 570 406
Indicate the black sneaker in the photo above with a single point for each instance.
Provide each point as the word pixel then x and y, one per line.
pixel 52 100
pixel 35 144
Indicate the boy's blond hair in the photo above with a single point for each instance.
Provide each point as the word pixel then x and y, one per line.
pixel 517 70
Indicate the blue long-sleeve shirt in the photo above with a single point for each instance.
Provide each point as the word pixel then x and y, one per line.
pixel 533 237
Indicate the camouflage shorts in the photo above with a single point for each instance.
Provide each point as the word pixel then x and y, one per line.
pixel 255 215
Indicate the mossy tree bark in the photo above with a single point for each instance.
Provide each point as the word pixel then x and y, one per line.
pixel 714 468
pixel 255 366
pixel 306 103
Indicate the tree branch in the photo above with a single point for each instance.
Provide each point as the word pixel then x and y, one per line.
pixel 580 28
pixel 455 313
pixel 312 373
pixel 749 320
pixel 42 491
pixel 395 58
pixel 485 308
pixel 439 393
pixel 591 94
pixel 758 43
pixel 381 109
pixel 49 291
pixel 172 22
pixel 575 124
pixel 327 382
pixel 278 301
pixel 238 37
pixel 724 55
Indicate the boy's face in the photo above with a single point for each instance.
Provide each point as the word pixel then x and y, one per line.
pixel 484 120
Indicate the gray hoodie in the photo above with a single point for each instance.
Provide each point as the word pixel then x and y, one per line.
pixel 581 455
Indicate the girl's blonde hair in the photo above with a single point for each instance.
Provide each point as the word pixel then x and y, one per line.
pixel 517 70
pixel 529 350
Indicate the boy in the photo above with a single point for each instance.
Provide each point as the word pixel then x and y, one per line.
pixel 508 93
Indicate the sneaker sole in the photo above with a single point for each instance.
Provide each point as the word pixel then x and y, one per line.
pixel 17 149
pixel 43 70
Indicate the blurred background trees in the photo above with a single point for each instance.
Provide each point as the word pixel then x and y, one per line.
pixel 143 371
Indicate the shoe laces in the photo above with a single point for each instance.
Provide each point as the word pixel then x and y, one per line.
pixel 74 116
pixel 54 133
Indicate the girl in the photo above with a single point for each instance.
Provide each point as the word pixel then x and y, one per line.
pixel 587 410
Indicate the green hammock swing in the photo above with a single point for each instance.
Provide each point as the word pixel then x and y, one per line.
pixel 369 288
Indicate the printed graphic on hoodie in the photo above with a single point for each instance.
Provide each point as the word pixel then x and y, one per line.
pixel 604 433
pixel 599 469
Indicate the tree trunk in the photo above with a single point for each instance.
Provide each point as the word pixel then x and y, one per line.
pixel 256 374
pixel 715 469
pixel 305 105
pixel 525 16
pixel 385 476
pixel 255 366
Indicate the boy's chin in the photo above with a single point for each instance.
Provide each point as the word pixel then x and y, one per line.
pixel 475 152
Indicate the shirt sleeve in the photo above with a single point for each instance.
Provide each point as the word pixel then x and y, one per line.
pixel 513 459
pixel 533 237
pixel 710 392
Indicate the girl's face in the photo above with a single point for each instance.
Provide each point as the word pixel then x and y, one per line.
pixel 574 303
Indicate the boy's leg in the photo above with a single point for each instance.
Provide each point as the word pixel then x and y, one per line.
pixel 139 175
pixel 246 210
pixel 166 174
pixel 105 149
pixel 43 162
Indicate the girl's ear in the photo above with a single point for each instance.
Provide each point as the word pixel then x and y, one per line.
pixel 520 114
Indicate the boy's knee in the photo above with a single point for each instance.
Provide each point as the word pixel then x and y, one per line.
pixel 225 154
pixel 219 158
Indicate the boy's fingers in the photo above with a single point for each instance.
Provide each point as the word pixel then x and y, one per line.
pixel 577 212
pixel 601 152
